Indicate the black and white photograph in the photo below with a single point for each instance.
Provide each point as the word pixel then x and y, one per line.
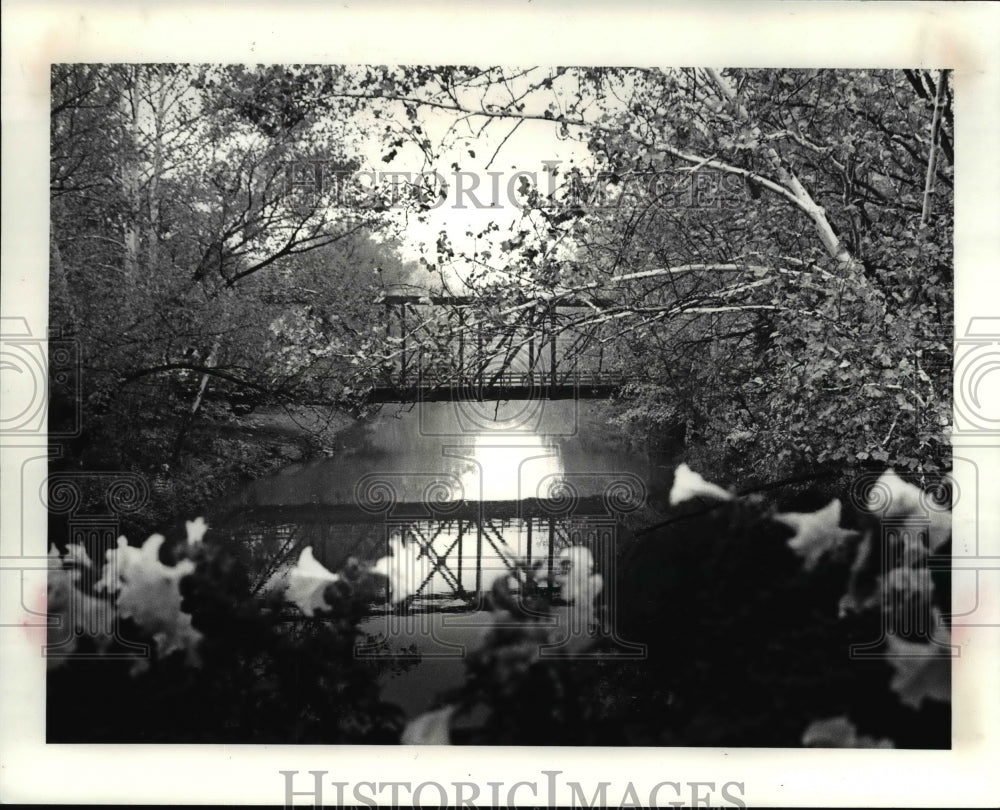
pixel 511 402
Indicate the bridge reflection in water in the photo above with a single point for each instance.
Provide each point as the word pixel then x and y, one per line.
pixel 469 490
pixel 457 557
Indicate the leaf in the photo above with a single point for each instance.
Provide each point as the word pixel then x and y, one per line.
pixel 688 485
pixel 306 583
pixel 816 533
pixel 839 732
pixel 431 728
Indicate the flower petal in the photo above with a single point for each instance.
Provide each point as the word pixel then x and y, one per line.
pixel 903 498
pixel 816 533
pixel 839 732
pixel 195 530
pixel 922 672
pixel 432 728
pixel 307 581
pixel 688 485
pixel 148 592
pixel 405 569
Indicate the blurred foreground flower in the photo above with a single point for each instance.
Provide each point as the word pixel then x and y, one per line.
pixel 306 583
pixel 195 530
pixel 431 728
pixel 405 569
pixel 688 485
pixel 78 614
pixel 839 732
pixel 579 584
pixel 816 533
pixel 148 592
pixel 922 670
pixel 904 500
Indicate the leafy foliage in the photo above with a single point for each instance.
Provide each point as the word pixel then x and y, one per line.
pixel 761 252
pixel 255 677
pixel 741 606
pixel 196 278
pixel 759 247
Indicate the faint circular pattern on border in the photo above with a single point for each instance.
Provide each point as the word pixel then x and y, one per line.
pixel 60 494
pixel 485 422
pixel 127 493
pixel 375 494
pixel 17 358
pixel 971 368
pixel 625 494
pixel 869 494
pixel 940 495
pixel 560 496
pixel 59 358
pixel 444 495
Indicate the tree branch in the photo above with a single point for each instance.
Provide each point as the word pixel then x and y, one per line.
pixel 931 158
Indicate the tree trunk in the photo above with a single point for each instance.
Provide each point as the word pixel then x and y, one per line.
pixel 828 236
pixel 195 407
pixel 130 176
pixel 62 310
pixel 932 158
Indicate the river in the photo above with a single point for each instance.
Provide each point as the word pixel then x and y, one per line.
pixel 472 487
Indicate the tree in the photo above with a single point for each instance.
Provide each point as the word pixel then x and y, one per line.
pixel 177 234
pixel 760 237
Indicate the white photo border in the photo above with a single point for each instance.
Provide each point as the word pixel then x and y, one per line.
pixel 962 37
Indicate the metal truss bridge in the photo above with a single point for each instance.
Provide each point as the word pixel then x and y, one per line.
pixel 447 350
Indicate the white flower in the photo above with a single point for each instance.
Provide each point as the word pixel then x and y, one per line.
pixel 903 498
pixel 839 732
pixel 405 569
pixel 76 556
pixel 118 561
pixel 149 594
pixel 688 484
pixel 195 530
pixel 922 671
pixel 76 614
pixel 577 581
pixel 307 581
pixel 816 533
pixel 432 728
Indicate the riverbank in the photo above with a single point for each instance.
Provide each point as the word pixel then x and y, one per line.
pixel 223 456
pixel 294 432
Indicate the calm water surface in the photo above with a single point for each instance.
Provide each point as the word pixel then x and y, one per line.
pixel 470 487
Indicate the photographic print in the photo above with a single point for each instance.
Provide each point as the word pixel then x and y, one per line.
pixel 524 406
pixel 500 405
